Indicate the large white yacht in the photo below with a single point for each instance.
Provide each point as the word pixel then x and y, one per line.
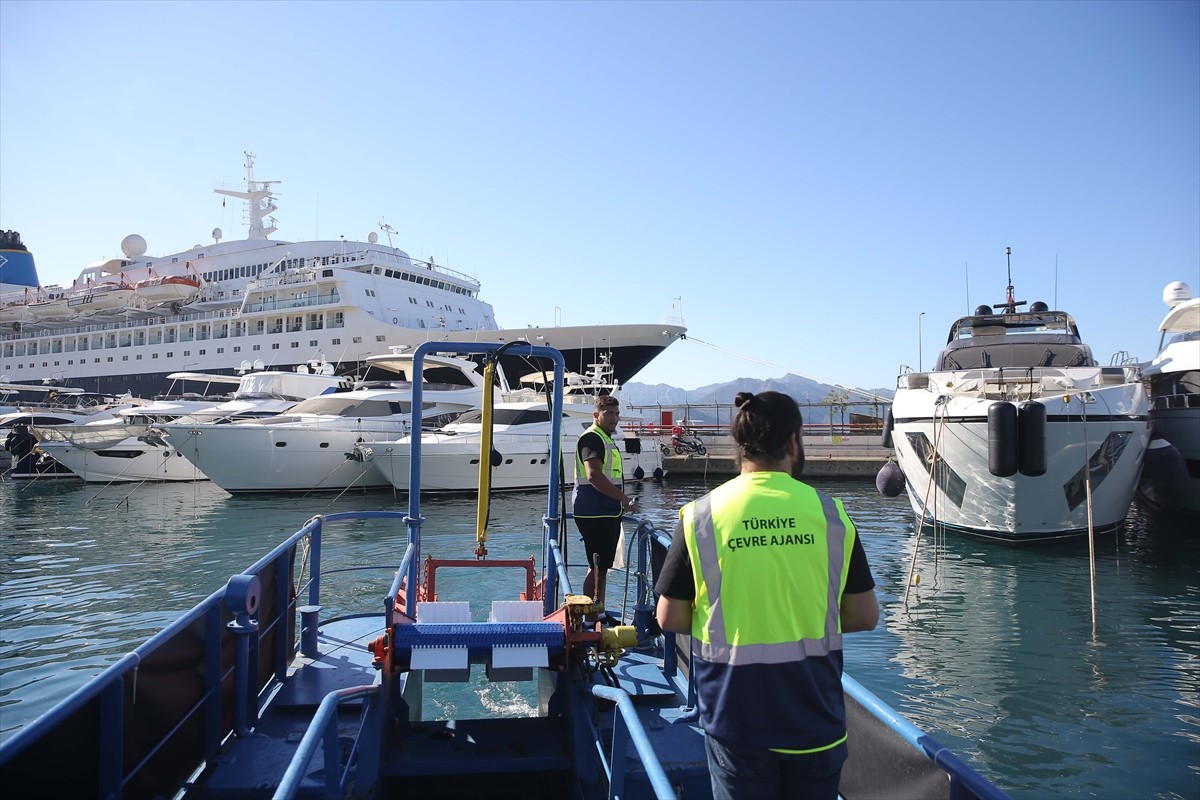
pixel 1171 478
pixel 1017 434
pixel 318 444
pixel 118 328
pixel 126 449
pixel 519 430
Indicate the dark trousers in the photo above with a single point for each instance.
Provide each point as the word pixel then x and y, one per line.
pixel 744 773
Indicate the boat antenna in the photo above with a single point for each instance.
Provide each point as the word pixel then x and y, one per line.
pixel 389 230
pixel 967 283
pixel 1010 302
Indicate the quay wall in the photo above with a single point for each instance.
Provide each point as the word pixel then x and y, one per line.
pixel 844 457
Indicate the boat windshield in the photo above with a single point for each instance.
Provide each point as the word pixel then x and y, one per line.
pixel 335 406
pixel 507 416
pixel 1033 340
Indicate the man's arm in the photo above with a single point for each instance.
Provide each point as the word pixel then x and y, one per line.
pixel 674 615
pixel 594 471
pixel 859 612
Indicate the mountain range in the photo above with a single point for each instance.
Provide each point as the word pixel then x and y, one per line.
pixel 816 399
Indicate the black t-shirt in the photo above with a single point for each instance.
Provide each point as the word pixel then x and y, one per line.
pixel 676 581
pixel 590 446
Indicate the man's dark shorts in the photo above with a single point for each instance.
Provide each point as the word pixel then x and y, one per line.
pixel 600 535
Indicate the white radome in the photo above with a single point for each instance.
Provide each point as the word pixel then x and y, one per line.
pixel 133 246
pixel 1176 292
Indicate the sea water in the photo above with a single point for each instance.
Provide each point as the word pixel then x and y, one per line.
pixel 1047 681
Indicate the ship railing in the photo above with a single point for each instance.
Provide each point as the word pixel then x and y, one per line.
pixel 627 728
pixel 298 302
pixel 322 734
pixel 171 750
pixel 1163 402
pixel 412 265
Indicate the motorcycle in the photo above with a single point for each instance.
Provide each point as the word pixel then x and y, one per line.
pixel 692 445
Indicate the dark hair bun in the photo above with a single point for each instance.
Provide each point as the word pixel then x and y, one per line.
pixel 743 398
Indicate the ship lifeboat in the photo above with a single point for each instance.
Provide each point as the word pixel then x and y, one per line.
pixel 13 313
pixel 168 289
pixel 100 298
pixel 52 307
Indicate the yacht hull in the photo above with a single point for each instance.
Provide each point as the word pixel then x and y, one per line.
pixel 129 461
pixel 1171 480
pixel 281 458
pixel 1094 452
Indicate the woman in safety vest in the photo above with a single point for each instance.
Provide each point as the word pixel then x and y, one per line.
pixel 765 574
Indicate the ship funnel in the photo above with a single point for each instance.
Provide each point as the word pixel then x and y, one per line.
pixel 16 262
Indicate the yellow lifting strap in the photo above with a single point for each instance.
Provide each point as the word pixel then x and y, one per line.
pixel 485 462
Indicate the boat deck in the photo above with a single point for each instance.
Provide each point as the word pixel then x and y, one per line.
pixel 455 758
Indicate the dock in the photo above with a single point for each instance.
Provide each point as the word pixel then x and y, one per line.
pixel 843 457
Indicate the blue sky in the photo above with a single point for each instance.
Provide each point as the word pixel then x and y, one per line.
pixel 799 181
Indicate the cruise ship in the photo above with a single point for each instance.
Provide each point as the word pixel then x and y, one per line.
pixel 224 307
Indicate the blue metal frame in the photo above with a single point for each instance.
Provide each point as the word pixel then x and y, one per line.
pixel 550 522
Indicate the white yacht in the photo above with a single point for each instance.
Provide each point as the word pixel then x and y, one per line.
pixel 127 449
pixel 258 298
pixel 519 455
pixel 1017 434
pixel 318 444
pixel 59 405
pixel 1171 477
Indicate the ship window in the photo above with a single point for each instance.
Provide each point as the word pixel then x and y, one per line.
pixel 295 344
pixel 139 357
pixel 412 300
pixel 154 355
pixel 275 346
pixel 429 303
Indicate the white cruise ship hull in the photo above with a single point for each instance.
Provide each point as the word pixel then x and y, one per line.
pixel 282 303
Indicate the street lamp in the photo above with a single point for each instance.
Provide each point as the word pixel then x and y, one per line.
pixel 920 347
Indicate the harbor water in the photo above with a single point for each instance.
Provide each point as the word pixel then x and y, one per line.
pixel 1000 653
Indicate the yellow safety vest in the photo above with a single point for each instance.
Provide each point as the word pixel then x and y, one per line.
pixel 769 557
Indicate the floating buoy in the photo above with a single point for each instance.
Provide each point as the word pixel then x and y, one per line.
pixel 1002 439
pixel 658 473
pixel 1031 438
pixel 888 424
pixel 496 459
pixel 639 473
pixel 1164 473
pixel 890 479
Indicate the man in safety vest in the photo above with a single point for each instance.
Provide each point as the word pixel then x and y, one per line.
pixel 597 502
pixel 765 574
